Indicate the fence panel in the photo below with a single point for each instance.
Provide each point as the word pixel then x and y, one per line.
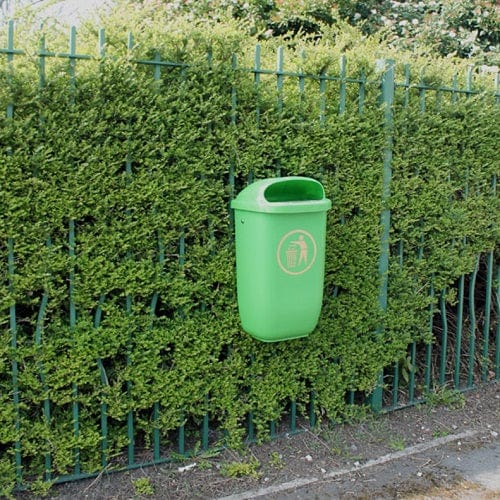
pixel 463 337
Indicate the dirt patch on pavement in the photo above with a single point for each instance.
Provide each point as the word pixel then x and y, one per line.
pixel 316 453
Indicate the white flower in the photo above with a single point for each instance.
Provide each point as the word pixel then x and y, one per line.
pixel 357 16
pixel 414 22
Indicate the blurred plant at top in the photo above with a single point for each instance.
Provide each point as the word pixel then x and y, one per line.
pixel 461 28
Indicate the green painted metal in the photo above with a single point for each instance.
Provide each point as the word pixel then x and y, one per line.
pixel 487 317
pixel 72 325
pixel 428 347
pixel 468 81
pixel 387 100
pixel 361 92
pixel 422 89
pixel 280 79
pixel 12 308
pixel 460 325
pixel 257 72
pixel 205 425
pixel 387 87
pixel 14 365
pixel 343 85
pixel 322 98
pixel 293 416
pixel 444 339
pixel 472 325
pixel 181 437
pixel 395 385
pixel 104 383
pixel 455 90
pixel 272 429
pixel 497 340
pixel 250 428
pixel 46 402
pixel 406 85
pixel 72 57
pixel 312 410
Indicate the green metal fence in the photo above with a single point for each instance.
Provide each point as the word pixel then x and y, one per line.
pixel 473 357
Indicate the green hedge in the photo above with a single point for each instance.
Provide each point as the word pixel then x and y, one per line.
pixel 145 171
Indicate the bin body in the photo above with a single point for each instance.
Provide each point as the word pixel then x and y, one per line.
pixel 280 229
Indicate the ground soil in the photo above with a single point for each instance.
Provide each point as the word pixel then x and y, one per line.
pixel 313 453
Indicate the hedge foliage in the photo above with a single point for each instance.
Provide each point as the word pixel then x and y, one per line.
pixel 141 171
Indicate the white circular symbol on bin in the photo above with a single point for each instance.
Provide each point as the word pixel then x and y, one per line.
pixel 296 252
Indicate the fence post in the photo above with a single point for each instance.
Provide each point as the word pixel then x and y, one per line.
pixel 387 100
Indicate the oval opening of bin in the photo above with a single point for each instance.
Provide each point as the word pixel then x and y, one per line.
pixel 280 227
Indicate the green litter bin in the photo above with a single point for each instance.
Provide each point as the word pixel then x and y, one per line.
pixel 280 228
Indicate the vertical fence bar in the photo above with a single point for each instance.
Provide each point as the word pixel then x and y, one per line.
pixel 361 92
pixel 72 325
pixel 279 87
pixel 411 382
pixel 14 365
pixel 128 311
pixel 497 339
pixel 101 49
pixel 12 307
pixel 293 416
pixel 497 86
pixel 128 299
pixel 205 425
pixel 279 78
pixel 72 257
pixel 256 80
pixel 387 89
pixel 406 85
pixel 395 385
pixel 322 98
pixel 45 297
pixel 104 383
pixel 46 403
pixel 454 89
pixel 272 429
pixel 487 316
pixel 428 347
pixel 312 410
pixel 181 436
pixel 182 428
pixel 472 315
pixel 458 340
pixel 421 92
pixel 468 81
pixel 487 305
pixel 250 427
pixel 232 159
pixel 130 414
pixel 343 85
pixel 154 299
pixel 444 338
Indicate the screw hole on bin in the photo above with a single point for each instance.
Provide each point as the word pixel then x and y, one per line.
pixel 242 221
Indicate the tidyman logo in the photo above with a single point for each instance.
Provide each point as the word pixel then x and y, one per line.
pixel 296 252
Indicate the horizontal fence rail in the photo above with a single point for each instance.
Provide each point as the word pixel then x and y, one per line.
pixel 462 328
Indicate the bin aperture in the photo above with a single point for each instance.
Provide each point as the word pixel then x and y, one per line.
pixel 280 256
pixel 294 190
